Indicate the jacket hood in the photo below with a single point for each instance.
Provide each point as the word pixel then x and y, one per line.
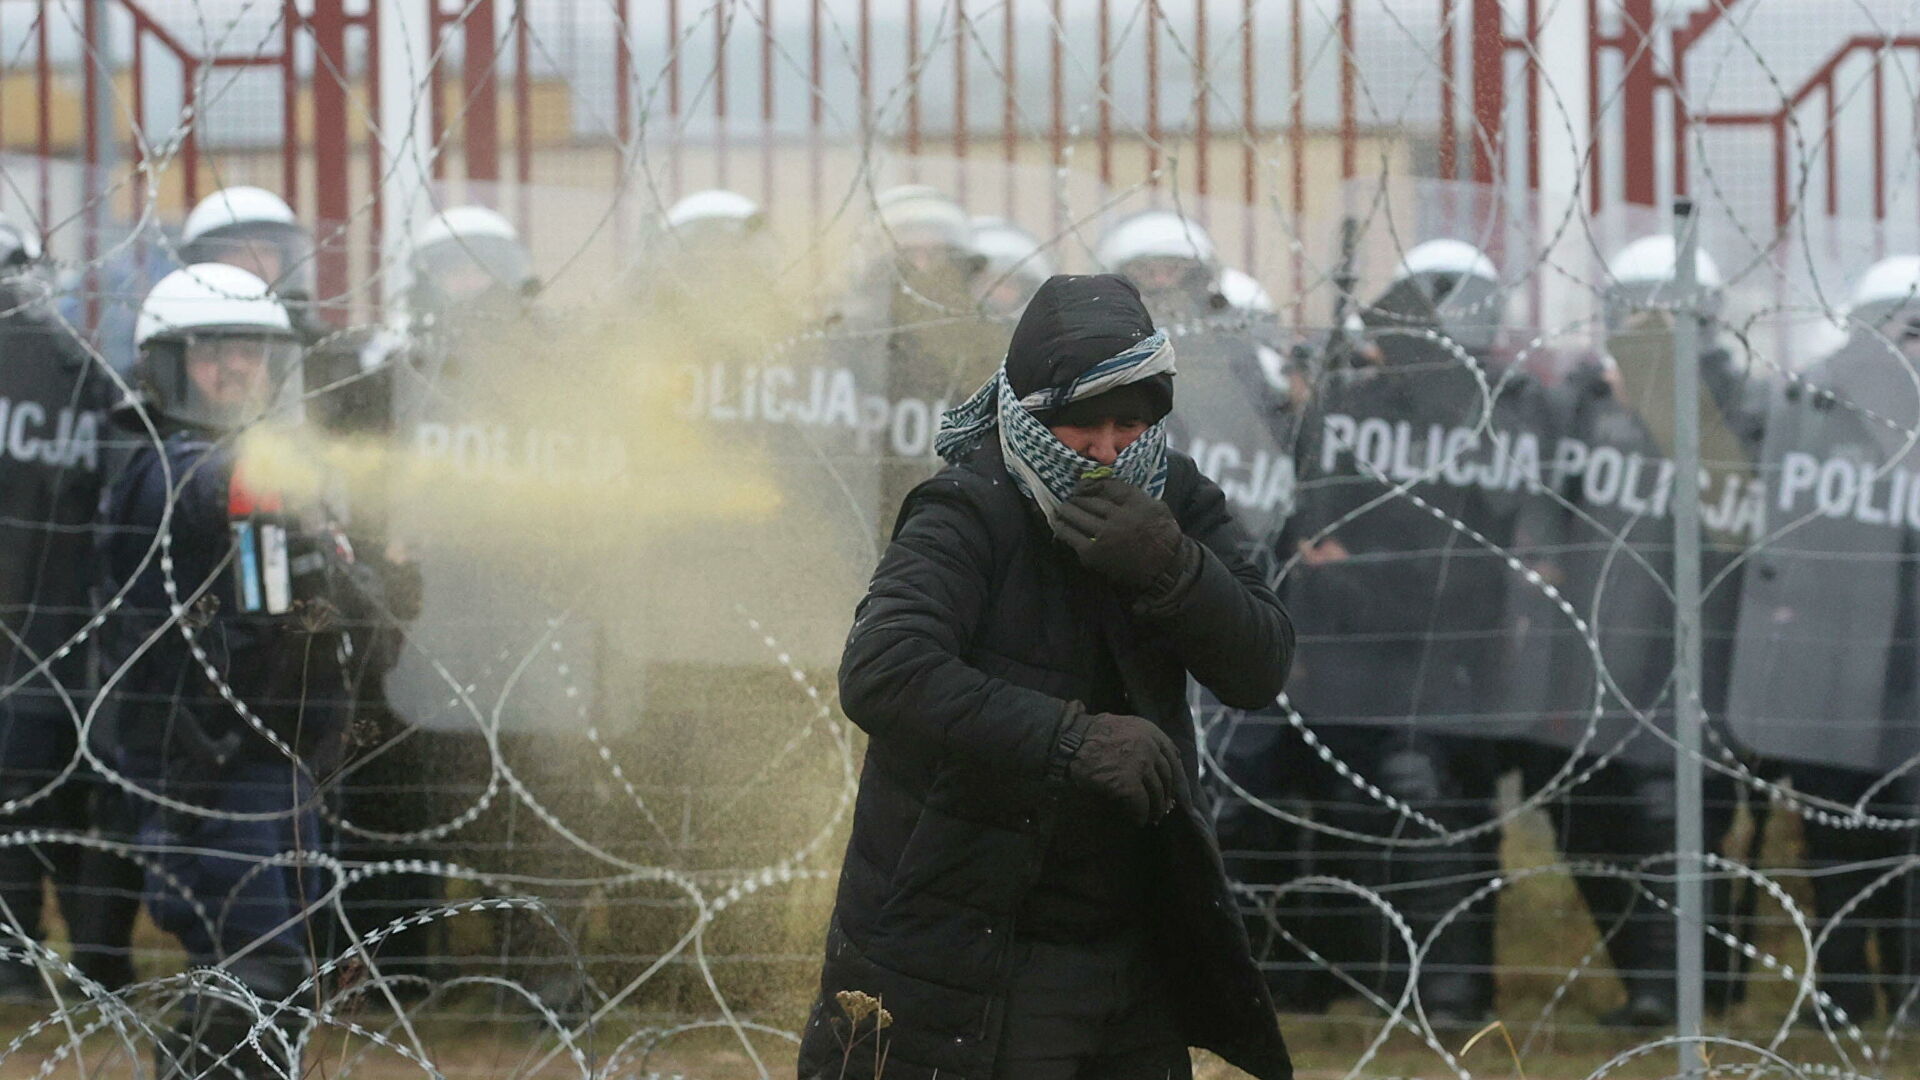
pixel 1073 322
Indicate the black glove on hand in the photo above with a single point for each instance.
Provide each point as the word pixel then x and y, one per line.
pixel 1122 533
pixel 1129 760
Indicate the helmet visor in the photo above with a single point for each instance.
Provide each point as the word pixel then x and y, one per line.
pixel 226 382
pixel 466 270
pixel 279 254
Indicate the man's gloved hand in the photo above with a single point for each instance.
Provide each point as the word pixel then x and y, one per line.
pixel 1130 760
pixel 1122 533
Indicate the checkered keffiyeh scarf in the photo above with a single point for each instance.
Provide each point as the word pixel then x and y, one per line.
pixel 1041 465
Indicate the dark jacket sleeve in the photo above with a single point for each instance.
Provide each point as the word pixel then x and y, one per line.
pixel 903 675
pixel 1225 622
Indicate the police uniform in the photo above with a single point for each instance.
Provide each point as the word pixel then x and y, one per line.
pixel 51 455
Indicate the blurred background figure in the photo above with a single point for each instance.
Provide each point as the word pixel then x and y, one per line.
pixel 1015 263
pixel 503 655
pixel 1170 259
pixel 255 230
pixel 1613 560
pixel 469 269
pixel 912 329
pixel 710 249
pixel 1410 615
pixel 1237 415
pixel 54 395
pixel 228 662
pixel 1823 670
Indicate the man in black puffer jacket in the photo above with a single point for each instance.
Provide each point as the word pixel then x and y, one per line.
pixel 1030 890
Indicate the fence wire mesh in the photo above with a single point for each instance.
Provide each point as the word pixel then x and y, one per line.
pixel 420 656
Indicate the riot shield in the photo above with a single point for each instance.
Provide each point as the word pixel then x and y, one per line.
pixel 1823 662
pixel 1422 492
pixel 1235 414
pixel 500 643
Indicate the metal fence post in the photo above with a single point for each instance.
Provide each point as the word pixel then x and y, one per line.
pixel 1690 892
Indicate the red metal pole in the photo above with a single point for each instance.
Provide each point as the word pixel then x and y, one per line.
pixel 135 152
pixel 1532 54
pixel 1009 116
pixel 813 114
pixel 1449 138
pixel 721 27
pixel 1594 47
pixel 522 117
pixel 1489 91
pixel 332 147
pixel 961 32
pixel 866 70
pixel 1105 135
pixel 1682 125
pixel 480 83
pixel 1057 135
pixel 1249 131
pixel 290 104
pixel 1297 158
pixel 1153 95
pixel 913 88
pixel 190 142
pixel 437 99
pixel 1833 154
pixel 766 101
pixel 1636 101
pixel 675 166
pixel 1879 140
pixel 43 72
pixel 1202 133
pixel 1780 201
pixel 376 172
pixel 1349 126
pixel 623 85
pixel 91 60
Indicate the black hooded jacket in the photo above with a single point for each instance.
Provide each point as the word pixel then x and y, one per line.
pixel 977 632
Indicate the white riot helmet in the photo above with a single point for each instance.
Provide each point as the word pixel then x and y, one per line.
pixel 1015 265
pixel 1169 258
pixel 254 229
pixel 1244 294
pixel 924 232
pixel 915 215
pixel 469 257
pixel 716 210
pixel 20 253
pixel 1887 287
pixel 19 245
pixel 217 350
pixel 1642 276
pixel 1462 287
pixel 710 239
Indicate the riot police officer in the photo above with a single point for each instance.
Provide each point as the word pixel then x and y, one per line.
pixel 255 230
pixel 1613 560
pixel 53 395
pixel 1238 416
pixel 228 662
pixel 1823 681
pixel 911 329
pixel 1408 508
pixel 1170 259
pixel 1015 263
pixel 711 247
pixel 469 271
pixel 501 665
